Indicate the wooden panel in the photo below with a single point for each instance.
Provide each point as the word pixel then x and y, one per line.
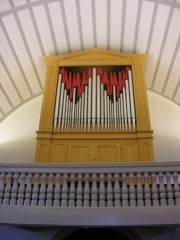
pixel 80 153
pixel 42 151
pixel 128 152
pixel 106 153
pixel 145 151
pixel 58 153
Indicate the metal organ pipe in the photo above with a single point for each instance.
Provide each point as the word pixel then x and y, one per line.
pixel 57 102
pixel 131 92
pixel 96 104
pixel 60 105
pixel 85 107
pixel 114 106
pixel 94 98
pixel 102 105
pixel 98 101
pixel 105 109
pixel 89 102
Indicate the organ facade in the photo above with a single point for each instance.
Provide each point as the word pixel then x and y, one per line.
pixel 94 109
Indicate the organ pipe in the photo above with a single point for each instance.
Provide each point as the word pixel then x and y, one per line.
pixel 95 101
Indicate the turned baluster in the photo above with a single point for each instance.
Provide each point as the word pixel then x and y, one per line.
pixel 79 192
pixel 117 192
pixel 140 201
pixel 147 191
pixel 155 197
pixel 86 202
pixel 102 202
pixel 14 192
pixel 162 190
pixel 27 201
pixel 35 195
pixel 169 189
pixel 50 190
pixel 21 193
pixel 109 190
pixel 176 188
pixel 64 199
pixel 132 191
pixel 42 195
pixel 172 179
pixel 7 192
pixel 94 191
pixel 72 191
pixel 124 191
pixel 2 186
pixel 57 191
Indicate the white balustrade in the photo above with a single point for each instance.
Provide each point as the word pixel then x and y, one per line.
pixel 88 188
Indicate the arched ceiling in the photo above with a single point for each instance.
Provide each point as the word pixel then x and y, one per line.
pixel 31 29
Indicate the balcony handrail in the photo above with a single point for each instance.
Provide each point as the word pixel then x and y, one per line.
pixel 91 193
pixel 89 168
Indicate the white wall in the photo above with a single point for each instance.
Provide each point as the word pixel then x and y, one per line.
pixel 165 121
pixel 18 131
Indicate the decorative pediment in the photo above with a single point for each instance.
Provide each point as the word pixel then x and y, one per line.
pixel 95 56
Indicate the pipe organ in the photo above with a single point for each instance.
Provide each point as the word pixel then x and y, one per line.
pixel 94 99
pixel 94 109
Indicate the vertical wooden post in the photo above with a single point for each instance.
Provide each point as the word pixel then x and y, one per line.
pixel 47 111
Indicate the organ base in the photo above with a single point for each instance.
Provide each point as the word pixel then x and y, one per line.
pixel 92 147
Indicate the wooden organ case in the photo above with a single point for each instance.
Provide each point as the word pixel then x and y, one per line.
pixel 94 109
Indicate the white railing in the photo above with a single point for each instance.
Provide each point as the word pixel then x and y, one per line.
pixel 118 190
